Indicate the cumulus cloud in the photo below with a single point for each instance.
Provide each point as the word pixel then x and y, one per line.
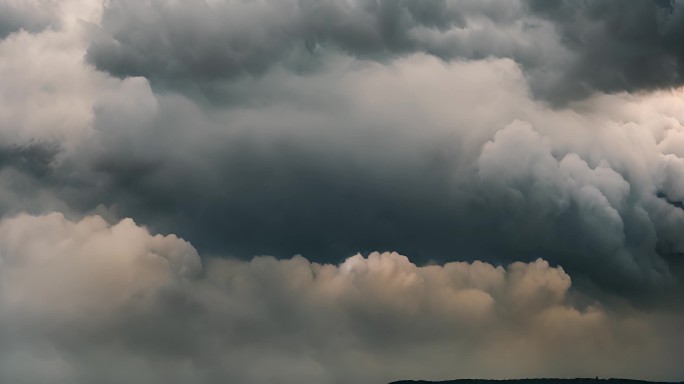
pixel 189 44
pixel 341 132
pixel 69 268
pixel 361 156
pixel 423 157
pixel 228 38
pixel 28 15
pixel 617 48
pixel 85 301
pixel 579 48
pixel 34 158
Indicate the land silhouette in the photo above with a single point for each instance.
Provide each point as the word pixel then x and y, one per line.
pixel 536 381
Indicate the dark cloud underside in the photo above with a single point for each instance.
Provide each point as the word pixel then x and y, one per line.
pixel 617 47
pixel 32 16
pixel 600 45
pixel 222 190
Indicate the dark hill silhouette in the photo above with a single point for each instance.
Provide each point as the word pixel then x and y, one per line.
pixel 536 381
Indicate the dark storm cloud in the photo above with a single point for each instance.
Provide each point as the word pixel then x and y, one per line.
pixel 318 172
pixel 33 158
pixel 368 156
pixel 197 41
pixel 597 45
pixel 31 16
pixel 173 43
pixel 26 177
pixel 327 129
pixel 617 47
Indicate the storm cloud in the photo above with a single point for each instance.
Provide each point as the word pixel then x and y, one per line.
pixel 28 15
pixel 194 45
pixel 142 309
pixel 443 176
pixel 618 48
pixel 338 192
pixel 568 50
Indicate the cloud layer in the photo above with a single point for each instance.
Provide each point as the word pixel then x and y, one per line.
pixel 567 49
pixel 404 152
pixel 527 158
pixel 595 192
pixel 141 309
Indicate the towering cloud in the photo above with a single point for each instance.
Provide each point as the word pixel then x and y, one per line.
pixel 444 176
pixel 527 158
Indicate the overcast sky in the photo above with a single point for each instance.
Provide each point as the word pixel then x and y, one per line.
pixel 340 191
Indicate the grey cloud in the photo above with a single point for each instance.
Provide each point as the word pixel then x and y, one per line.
pixel 577 49
pixel 30 15
pixel 617 47
pixel 115 303
pixel 200 41
pixel 304 168
pixel 350 143
pixel 34 158
pixel 26 177
pixel 328 168
pixel 176 44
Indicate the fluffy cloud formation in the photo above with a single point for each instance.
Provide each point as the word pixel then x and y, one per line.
pixel 422 157
pixel 617 48
pixel 87 266
pixel 465 135
pixel 365 156
pixel 190 45
pixel 567 49
pixel 85 301
pixel 28 15
pixel 213 40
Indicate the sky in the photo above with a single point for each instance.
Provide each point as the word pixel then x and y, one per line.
pixel 340 191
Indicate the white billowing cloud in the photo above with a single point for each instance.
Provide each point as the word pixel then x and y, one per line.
pixel 47 91
pixel 56 267
pixel 49 97
pixel 594 171
pixel 87 301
